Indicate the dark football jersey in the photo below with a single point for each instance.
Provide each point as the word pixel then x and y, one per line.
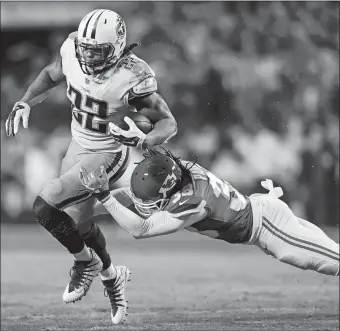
pixel 228 214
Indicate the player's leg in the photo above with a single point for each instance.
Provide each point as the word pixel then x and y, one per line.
pixel 115 283
pixel 54 220
pixel 48 207
pixel 311 226
pixel 82 212
pixel 297 243
pixel 91 233
pixel 114 278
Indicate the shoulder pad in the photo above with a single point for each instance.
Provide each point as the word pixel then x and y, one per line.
pixel 72 35
pixel 144 88
pixel 183 200
pixel 67 47
pixel 136 66
pixel 144 81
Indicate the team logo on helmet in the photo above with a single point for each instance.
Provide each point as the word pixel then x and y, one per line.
pixel 120 28
pixel 168 184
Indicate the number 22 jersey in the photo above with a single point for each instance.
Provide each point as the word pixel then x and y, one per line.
pixel 95 98
pixel 226 213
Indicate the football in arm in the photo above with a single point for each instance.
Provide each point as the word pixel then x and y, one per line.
pixel 141 121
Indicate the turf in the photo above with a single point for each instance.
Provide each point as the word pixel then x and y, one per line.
pixel 180 282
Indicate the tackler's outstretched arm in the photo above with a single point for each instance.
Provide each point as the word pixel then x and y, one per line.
pixel 159 223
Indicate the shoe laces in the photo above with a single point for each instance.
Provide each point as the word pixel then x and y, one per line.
pixel 81 274
pixel 115 294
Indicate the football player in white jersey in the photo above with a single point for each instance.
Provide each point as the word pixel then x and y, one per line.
pixel 167 195
pixel 103 77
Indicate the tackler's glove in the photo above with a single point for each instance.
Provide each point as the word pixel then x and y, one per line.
pixel 132 137
pixel 275 192
pixel 96 182
pixel 19 114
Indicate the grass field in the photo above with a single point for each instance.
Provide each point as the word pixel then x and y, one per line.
pixel 179 282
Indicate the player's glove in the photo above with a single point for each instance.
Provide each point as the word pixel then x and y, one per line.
pixel 132 137
pixel 273 191
pixel 19 114
pixel 97 182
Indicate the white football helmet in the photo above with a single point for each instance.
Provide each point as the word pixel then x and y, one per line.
pixel 100 41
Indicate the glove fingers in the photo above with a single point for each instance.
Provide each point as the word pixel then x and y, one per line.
pixel 84 175
pixel 16 123
pixel 11 123
pixel 8 127
pixel 25 121
pixel 81 177
pixel 129 122
pixel 114 129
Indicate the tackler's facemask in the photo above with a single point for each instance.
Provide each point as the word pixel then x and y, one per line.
pixel 153 182
pixel 100 41
pixel 147 207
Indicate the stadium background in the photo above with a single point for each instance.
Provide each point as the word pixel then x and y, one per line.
pixel 255 90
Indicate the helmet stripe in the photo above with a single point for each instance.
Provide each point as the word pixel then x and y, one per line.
pixel 92 22
pixel 93 33
pixel 87 24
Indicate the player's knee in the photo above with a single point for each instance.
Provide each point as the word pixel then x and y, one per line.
pixel 45 214
pixel 41 207
pixel 51 191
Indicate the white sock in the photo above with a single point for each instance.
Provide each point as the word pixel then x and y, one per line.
pixel 109 273
pixel 84 255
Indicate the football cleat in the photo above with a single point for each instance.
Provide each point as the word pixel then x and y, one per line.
pixel 83 273
pixel 115 290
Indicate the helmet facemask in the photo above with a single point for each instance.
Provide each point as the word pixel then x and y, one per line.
pixel 147 207
pixel 104 54
pixel 100 42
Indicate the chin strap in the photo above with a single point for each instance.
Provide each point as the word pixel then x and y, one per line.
pixel 276 192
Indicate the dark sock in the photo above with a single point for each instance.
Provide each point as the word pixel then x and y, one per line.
pixel 59 224
pixel 95 239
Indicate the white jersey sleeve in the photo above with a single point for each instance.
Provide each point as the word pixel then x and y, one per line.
pixel 143 81
pixel 67 50
pixel 159 223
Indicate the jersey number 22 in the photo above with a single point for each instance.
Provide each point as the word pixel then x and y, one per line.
pixel 91 109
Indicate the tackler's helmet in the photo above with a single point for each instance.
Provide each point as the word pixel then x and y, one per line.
pixel 101 33
pixel 153 182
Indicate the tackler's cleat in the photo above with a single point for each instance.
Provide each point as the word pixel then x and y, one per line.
pixel 83 273
pixel 115 290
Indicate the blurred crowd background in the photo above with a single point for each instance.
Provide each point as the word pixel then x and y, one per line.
pixel 254 87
